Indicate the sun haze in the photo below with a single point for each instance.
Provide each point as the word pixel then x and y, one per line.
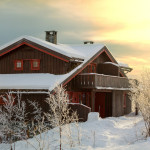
pixel 123 25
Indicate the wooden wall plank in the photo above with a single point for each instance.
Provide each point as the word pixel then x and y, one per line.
pixel 48 63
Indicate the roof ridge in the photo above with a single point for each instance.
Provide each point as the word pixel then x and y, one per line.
pixel 81 51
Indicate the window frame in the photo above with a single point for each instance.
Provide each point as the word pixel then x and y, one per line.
pixel 91 67
pixel 15 64
pixel 35 68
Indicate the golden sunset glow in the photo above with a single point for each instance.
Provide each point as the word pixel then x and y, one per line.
pixel 122 24
pixel 131 17
pixel 119 21
pixel 122 20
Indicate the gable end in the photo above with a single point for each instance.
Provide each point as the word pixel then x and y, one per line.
pixel 104 49
pixel 35 46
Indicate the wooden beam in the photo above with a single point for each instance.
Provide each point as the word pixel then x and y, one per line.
pixel 93 100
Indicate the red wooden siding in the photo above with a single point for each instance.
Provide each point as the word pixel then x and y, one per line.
pixel 48 63
pixel 94 67
pixel 30 44
pixel 103 104
pixel 100 103
pixel 108 69
pixel 80 97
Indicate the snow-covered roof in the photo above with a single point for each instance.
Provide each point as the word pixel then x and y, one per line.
pixel 43 81
pixel 111 63
pixel 121 64
pixel 39 80
pixel 73 51
pixel 84 50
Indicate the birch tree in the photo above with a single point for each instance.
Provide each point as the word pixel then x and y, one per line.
pixel 58 118
pixel 140 95
pixel 59 113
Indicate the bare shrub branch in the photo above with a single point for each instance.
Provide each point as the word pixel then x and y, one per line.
pixel 140 95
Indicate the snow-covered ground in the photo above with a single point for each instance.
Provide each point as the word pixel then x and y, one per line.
pixel 114 133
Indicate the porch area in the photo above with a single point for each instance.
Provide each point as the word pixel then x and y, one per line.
pixel 107 103
pixel 100 81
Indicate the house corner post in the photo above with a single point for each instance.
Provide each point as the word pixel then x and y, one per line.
pixel 93 100
pixel 114 104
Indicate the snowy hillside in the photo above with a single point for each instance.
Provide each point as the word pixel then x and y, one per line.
pixel 122 133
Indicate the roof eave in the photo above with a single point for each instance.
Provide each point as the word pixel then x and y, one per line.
pixel 25 41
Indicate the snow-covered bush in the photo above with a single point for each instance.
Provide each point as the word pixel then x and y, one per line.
pixel 59 117
pixel 12 119
pixel 60 114
pixel 140 95
pixel 38 128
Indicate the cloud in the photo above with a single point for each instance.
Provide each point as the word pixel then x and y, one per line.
pixel 35 16
pixel 121 25
pixel 134 54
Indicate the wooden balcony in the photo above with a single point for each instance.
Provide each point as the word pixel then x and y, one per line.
pixel 100 81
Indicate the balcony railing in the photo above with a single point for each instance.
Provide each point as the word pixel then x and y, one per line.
pixel 100 81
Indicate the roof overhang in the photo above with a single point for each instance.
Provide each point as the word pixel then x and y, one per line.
pixel 88 61
pixel 64 79
pixel 23 41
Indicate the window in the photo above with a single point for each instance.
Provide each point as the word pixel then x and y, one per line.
pixel 18 64
pixel 92 68
pixel 80 97
pixel 35 64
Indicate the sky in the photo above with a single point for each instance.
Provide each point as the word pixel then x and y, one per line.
pixel 122 25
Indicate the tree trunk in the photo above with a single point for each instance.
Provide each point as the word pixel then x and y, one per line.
pixel 60 136
pixel 136 111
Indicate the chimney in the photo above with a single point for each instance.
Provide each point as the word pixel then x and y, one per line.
pixel 88 42
pixel 51 36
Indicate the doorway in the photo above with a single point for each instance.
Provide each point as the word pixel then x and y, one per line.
pixel 103 104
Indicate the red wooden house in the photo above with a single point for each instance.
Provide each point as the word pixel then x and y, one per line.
pixel 89 72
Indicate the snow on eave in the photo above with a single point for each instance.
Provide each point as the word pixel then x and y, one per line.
pixel 121 64
pixel 85 50
pixel 77 52
pixel 55 47
pixel 29 92
pixel 30 81
pixel 111 63
pixel 113 88
pixel 12 42
pixel 102 75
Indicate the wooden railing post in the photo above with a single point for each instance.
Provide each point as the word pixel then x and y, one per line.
pixel 99 80
pixel 95 82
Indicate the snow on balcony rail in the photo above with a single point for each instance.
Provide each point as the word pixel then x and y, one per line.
pixel 94 80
